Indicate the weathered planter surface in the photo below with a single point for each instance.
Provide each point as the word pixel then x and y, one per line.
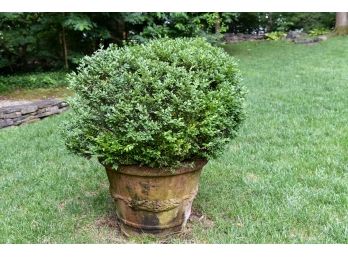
pixel 152 200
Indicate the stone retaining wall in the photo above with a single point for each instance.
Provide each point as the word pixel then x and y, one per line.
pixel 26 113
pixel 239 37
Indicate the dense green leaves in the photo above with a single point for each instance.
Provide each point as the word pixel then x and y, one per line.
pixel 155 104
pixel 51 41
pixel 78 22
pixel 46 41
pixel 157 25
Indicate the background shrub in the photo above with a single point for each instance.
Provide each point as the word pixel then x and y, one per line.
pixel 155 104
pixel 318 32
pixel 277 35
pixel 32 80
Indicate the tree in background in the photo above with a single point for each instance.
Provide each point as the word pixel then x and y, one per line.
pixel 309 21
pixel 16 39
pixel 53 41
pixel 46 41
pixel 341 27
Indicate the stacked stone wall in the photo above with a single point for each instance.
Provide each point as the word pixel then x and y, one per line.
pixel 26 113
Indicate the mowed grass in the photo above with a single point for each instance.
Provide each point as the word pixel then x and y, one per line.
pixel 283 180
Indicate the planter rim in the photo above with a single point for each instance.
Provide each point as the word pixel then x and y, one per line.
pixel 144 171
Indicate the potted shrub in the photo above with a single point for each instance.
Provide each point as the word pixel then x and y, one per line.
pixel 153 115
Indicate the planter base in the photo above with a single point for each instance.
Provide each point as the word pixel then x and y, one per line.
pixel 129 231
pixel 151 200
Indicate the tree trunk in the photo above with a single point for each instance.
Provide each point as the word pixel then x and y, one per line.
pixel 341 27
pixel 218 24
pixel 65 49
pixel 122 28
pixel 269 26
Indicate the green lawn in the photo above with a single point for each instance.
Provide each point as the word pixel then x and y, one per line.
pixel 283 180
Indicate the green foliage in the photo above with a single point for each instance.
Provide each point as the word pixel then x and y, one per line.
pixel 37 41
pixel 78 22
pixel 270 22
pixel 278 22
pixel 32 80
pixel 309 21
pixel 318 32
pixel 158 25
pixel 16 37
pixel 215 39
pixel 276 35
pixel 155 104
pixel 51 41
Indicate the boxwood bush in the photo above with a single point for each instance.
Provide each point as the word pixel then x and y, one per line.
pixel 157 104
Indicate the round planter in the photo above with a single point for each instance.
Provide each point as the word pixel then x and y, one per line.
pixel 153 200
